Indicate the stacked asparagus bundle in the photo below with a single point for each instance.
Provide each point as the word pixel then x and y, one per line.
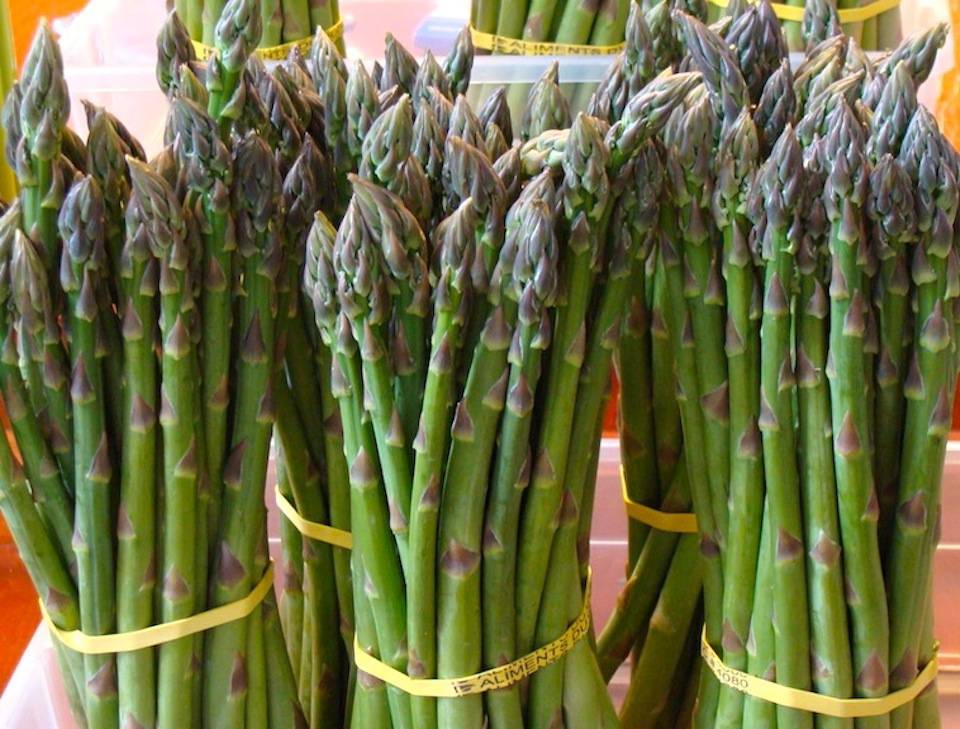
pixel 468 305
pixel 808 288
pixel 282 21
pixel 142 337
pixel 552 21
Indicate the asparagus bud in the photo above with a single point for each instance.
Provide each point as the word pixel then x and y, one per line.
pixel 459 62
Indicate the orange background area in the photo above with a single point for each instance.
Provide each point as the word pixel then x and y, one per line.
pixel 25 13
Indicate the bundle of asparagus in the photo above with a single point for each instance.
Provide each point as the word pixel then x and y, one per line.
pixel 812 212
pixel 282 21
pixel 467 305
pixel 553 21
pixel 142 330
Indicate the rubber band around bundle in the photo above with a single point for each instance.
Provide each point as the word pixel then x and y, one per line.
pixel 519 47
pixel 275 53
pixel 662 521
pixel 815 703
pixel 847 15
pixel 312 529
pixel 155 635
pixel 493 679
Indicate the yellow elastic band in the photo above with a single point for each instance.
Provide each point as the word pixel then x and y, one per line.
pixel 808 700
pixel 165 632
pixel 275 53
pixel 517 47
pixel 662 521
pixel 847 15
pixel 495 678
pixel 312 529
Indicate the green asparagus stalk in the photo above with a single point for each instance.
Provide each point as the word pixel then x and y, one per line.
pixel 454 240
pixel 691 135
pixel 761 649
pixel 485 16
pixel 663 646
pixel 209 176
pixel 829 642
pixel 296 20
pixel 629 621
pixel 891 208
pixel 737 164
pixel 622 254
pixel 844 195
pixel 323 689
pixel 611 22
pixel 928 388
pixel 237 33
pixel 576 22
pixel 84 262
pixel 780 183
pixel 585 199
pixel 284 713
pixel 291 598
pixel 473 438
pixel 512 17
pixel 139 276
pixel 24 279
pixel 511 465
pixel 159 212
pixel 242 515
pixel 43 111
pixel 331 276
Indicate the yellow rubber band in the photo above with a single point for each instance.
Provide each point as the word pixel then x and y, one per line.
pixel 313 530
pixel 275 53
pixel 847 15
pixel 662 521
pixel 518 47
pixel 808 700
pixel 164 632
pixel 495 678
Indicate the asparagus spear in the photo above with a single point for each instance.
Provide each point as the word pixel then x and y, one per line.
pixel 737 165
pixel 455 244
pixel 585 199
pixel 158 212
pixel 208 172
pixel 399 66
pixel 776 107
pixel 320 285
pixel 356 253
pixel 891 207
pixel 399 257
pixel 829 637
pixel 139 271
pixel 360 98
pixel 690 134
pixel 44 107
pixel 242 515
pixel 237 33
pixel 546 107
pixel 465 124
pixel 84 261
pixel 24 281
pixel 928 389
pixel 622 254
pixel 844 195
pixel 760 647
pixel 430 73
pixel 458 65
